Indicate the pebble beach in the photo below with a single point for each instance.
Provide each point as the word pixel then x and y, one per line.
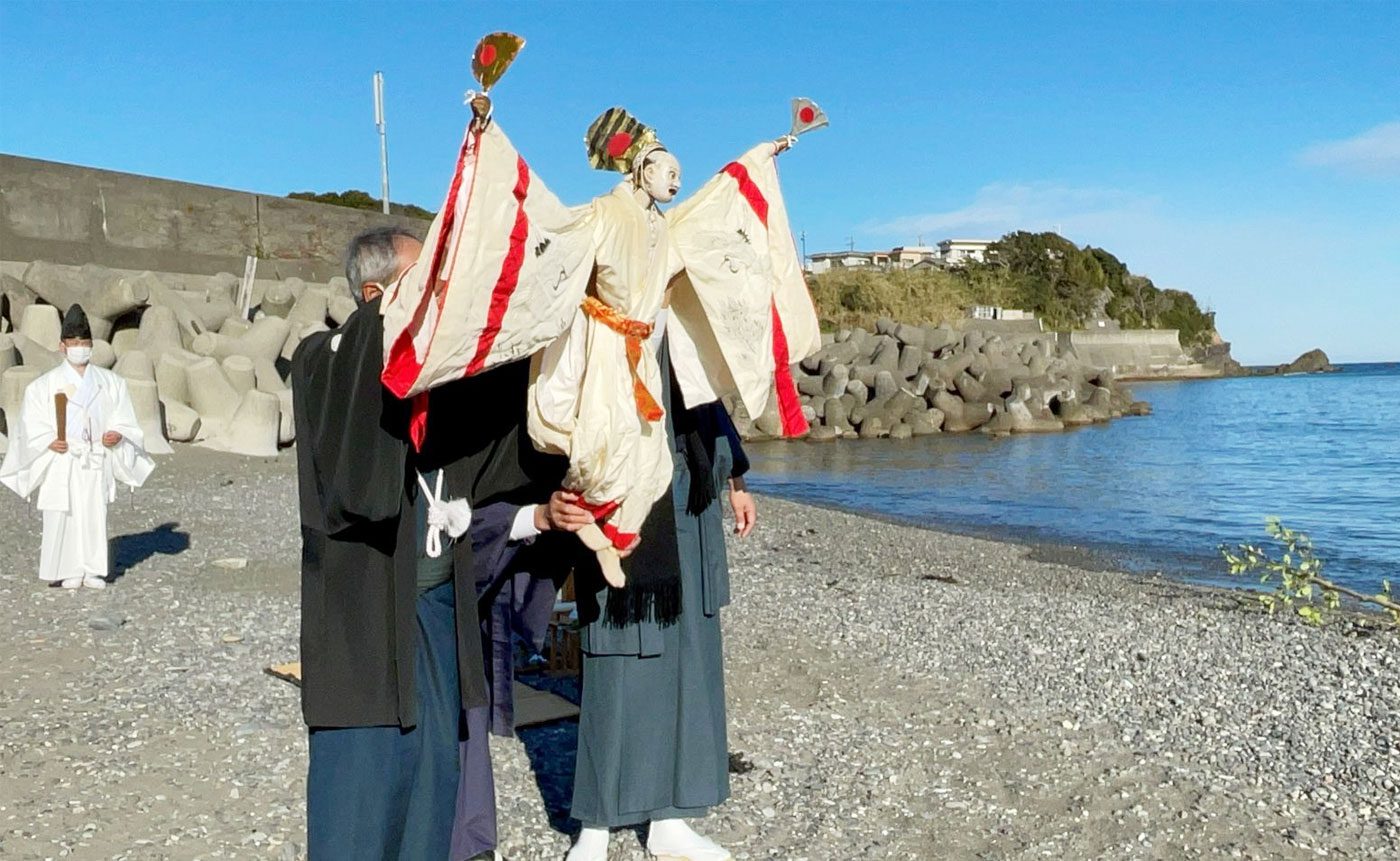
pixel 894 693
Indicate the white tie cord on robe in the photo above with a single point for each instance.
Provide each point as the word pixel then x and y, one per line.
pixel 453 516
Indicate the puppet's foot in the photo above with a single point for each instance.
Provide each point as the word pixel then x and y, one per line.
pixel 72 583
pixel 608 560
pixel 94 583
pixel 592 845
pixel 673 840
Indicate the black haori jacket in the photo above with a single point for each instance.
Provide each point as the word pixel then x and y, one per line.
pixel 357 480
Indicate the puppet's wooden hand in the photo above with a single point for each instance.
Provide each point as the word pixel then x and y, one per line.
pixel 481 108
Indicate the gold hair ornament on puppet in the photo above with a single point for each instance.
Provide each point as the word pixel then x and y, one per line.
pixel 494 54
pixel 615 140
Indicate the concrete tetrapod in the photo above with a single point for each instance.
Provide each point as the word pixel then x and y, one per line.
pixel 33 355
pixel 211 394
pixel 277 300
pixel 15 296
pixel 287 428
pixel 105 294
pixel 124 340
pixel 136 365
pixel 239 370
pixel 12 385
pixel 172 380
pixel 103 356
pixel 42 324
pixel 263 340
pixel 254 428
pixel 159 333
pixel 9 357
pixel 146 402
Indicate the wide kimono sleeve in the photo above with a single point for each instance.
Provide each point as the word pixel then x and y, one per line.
pixel 131 465
pixel 28 458
pixel 502 272
pixel 743 301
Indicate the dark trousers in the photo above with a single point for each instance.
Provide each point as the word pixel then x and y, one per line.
pixel 474 831
pixel 381 793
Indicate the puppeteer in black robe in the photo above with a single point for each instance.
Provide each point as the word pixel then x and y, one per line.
pixel 359 497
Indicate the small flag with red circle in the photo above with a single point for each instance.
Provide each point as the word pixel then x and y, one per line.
pixel 494 54
pixel 806 116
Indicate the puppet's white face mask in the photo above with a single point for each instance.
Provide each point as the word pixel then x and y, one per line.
pixel 661 176
pixel 78 356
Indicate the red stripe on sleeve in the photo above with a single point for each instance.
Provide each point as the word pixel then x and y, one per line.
pixel 510 271
pixel 403 365
pixel 789 407
pixel 749 190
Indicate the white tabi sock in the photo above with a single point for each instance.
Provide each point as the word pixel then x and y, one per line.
pixel 673 840
pixel 592 845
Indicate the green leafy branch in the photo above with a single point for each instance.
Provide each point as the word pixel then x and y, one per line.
pixel 1296 575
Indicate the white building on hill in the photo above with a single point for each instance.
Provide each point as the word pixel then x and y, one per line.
pixel 956 252
pixel 949 252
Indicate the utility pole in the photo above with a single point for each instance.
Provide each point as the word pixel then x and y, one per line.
pixel 803 237
pixel 383 140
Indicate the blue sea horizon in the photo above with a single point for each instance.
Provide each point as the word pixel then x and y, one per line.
pixel 1153 494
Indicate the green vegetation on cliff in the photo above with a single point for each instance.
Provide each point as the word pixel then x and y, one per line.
pixel 1063 284
pixel 356 199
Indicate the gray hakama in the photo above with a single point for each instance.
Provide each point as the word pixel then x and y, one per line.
pixel 652 742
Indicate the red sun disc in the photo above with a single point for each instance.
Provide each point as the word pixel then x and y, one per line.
pixel 487 55
pixel 618 144
pixel 807 114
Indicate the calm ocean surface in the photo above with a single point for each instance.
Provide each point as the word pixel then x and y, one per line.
pixel 1153 494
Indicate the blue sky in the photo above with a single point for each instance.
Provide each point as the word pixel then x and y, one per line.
pixel 1247 152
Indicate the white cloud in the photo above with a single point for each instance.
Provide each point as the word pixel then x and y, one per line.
pixel 999 208
pixel 1373 153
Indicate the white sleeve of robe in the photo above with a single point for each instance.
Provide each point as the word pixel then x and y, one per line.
pixel 130 463
pixel 744 303
pixel 28 459
pixel 30 465
pixel 502 272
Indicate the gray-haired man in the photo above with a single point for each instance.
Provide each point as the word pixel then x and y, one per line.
pixel 391 650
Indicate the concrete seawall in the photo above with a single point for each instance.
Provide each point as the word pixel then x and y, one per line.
pixel 74 215
pixel 1136 353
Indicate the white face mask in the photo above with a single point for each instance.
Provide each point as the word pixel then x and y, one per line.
pixel 661 178
pixel 78 356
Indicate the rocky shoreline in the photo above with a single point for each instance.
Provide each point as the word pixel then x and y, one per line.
pixel 903 380
pixel 895 693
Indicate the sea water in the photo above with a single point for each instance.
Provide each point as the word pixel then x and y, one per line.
pixel 1157 493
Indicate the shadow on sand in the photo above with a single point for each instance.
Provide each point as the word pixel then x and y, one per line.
pixel 128 551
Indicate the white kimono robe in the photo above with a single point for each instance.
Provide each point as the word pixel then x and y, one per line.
pixel 73 488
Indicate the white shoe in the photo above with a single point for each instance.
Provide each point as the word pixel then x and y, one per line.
pixel 673 840
pixel 592 845
pixel 94 582
pixel 72 583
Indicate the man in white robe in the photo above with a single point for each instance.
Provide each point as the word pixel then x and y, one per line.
pixel 75 476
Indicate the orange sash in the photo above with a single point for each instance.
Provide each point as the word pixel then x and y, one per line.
pixel 633 331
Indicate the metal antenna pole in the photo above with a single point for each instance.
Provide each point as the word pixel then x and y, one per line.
pixel 383 140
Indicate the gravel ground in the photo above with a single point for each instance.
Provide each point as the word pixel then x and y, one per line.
pixel 894 693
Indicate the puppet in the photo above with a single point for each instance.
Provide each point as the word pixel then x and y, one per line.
pixel 509 271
